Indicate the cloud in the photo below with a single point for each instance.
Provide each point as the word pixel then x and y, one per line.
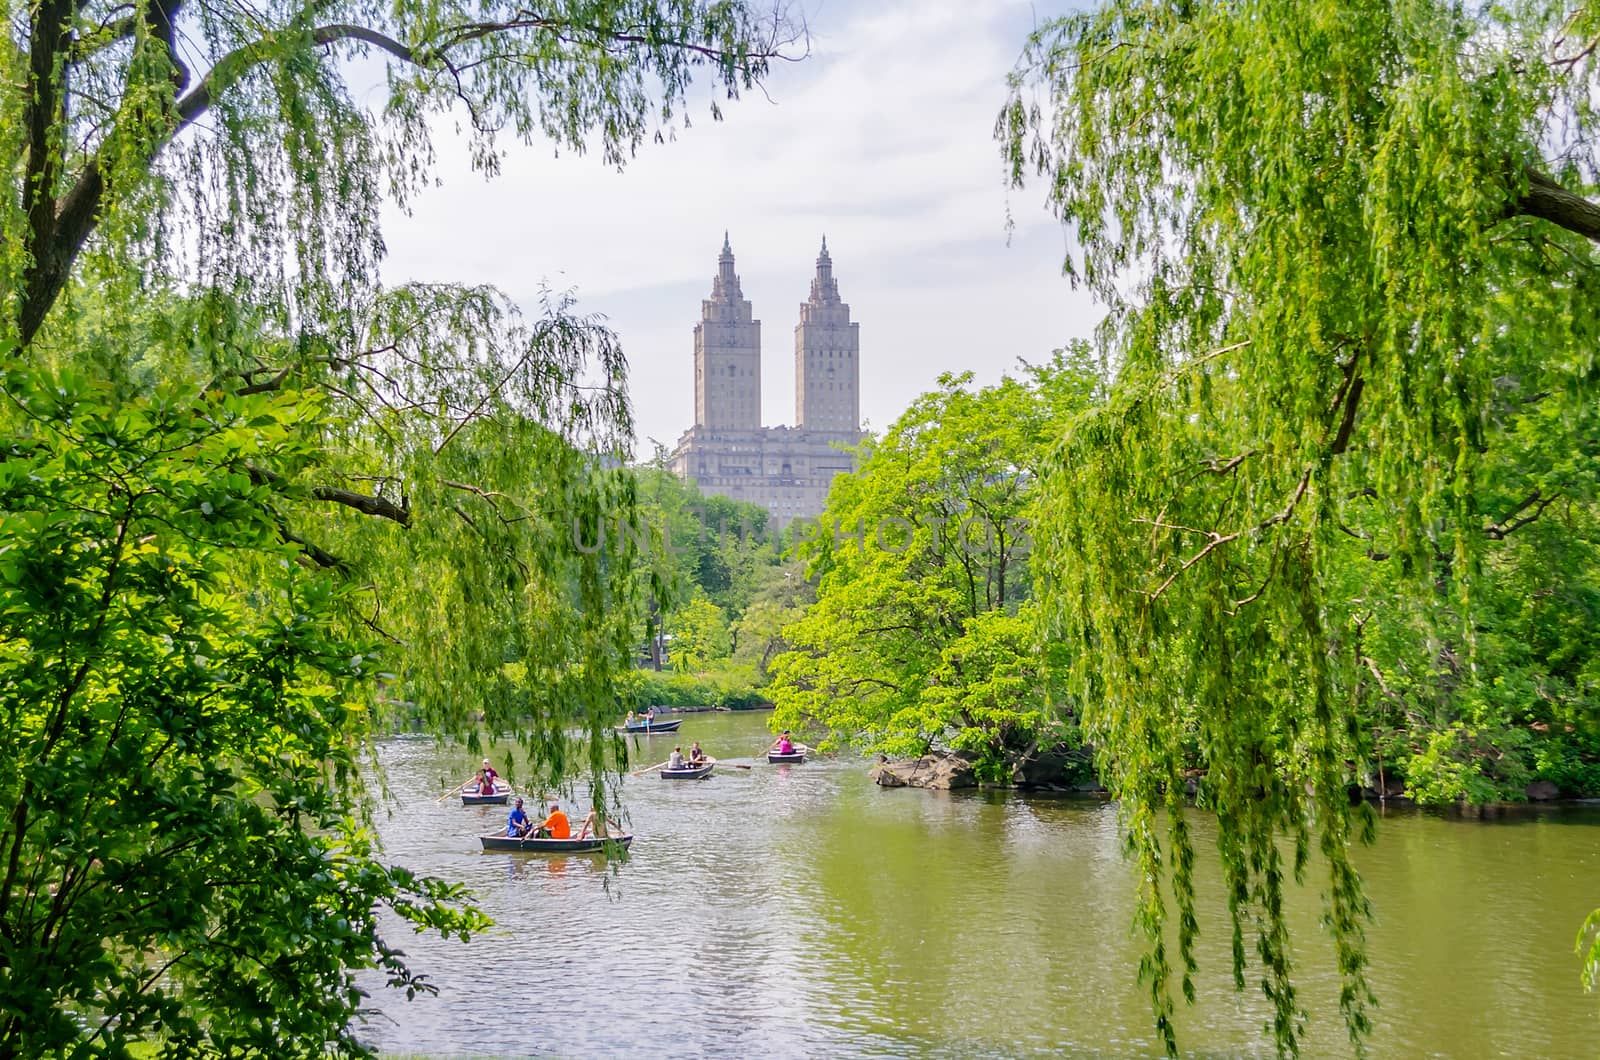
pixel 882 139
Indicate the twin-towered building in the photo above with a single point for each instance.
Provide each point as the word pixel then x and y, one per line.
pixel 727 451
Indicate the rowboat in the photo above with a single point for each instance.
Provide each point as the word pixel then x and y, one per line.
pixel 795 756
pixel 688 772
pixel 589 844
pixel 497 799
pixel 646 728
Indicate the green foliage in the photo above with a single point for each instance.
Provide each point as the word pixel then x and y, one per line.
pixel 182 712
pixel 733 688
pixel 781 599
pixel 1351 314
pixel 922 630
pixel 699 635
pixel 702 562
pixel 714 545
pixel 192 209
pixel 1590 933
pixel 230 150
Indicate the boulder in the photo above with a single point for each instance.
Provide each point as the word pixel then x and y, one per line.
pixel 1543 791
pixel 1059 767
pixel 885 777
pixel 942 770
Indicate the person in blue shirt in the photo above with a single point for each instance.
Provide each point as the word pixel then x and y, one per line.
pixel 517 824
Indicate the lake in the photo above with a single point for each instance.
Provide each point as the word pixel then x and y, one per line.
pixel 801 910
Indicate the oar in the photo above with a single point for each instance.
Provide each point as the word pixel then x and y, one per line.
pixel 453 791
pixel 646 769
pixel 725 765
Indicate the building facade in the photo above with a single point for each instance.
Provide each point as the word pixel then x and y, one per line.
pixel 727 452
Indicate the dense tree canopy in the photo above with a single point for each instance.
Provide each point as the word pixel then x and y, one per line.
pixel 923 631
pixel 191 220
pixel 1350 272
pixel 180 713
pixel 197 197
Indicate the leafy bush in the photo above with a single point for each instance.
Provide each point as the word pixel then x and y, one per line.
pixel 734 689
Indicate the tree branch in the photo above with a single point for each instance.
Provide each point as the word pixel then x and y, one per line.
pixel 44 121
pixel 319 556
pixel 365 503
pixel 1347 402
pixel 1514 520
pixel 1218 540
pixel 58 231
pixel 1551 202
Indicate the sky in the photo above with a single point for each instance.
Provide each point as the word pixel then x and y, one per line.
pixel 881 139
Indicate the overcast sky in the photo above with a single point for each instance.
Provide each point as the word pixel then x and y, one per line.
pixel 882 139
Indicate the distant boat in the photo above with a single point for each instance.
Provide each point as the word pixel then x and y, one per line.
pixel 499 798
pixel 797 755
pixel 649 727
pixel 530 845
pixel 688 772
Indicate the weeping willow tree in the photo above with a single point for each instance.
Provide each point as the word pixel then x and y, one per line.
pixel 253 499
pixel 1342 245
pixel 196 194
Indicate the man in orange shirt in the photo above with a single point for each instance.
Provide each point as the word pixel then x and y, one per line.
pixel 556 826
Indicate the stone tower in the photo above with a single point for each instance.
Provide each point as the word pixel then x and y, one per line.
pixel 827 356
pixel 727 354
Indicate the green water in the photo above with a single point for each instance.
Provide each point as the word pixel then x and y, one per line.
pixel 801 911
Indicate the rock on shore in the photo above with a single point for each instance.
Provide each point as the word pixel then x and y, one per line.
pixel 1542 791
pixel 942 770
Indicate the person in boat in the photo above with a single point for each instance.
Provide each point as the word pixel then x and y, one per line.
pixel 491 775
pixel 650 715
pixel 556 826
pixel 481 785
pixel 596 823
pixel 633 719
pixel 785 747
pixel 518 823
pixel 697 757
pixel 675 759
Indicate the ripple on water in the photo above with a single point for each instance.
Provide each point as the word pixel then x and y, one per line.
pixel 799 911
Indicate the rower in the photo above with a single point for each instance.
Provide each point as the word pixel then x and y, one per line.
pixel 518 823
pixel 556 826
pixel 784 746
pixel 696 756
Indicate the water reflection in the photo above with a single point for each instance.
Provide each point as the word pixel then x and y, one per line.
pixel 798 910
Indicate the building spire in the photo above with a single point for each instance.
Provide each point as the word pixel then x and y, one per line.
pixel 726 285
pixel 824 289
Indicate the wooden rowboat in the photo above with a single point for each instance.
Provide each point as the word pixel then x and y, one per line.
pixel 652 727
pixel 688 772
pixel 587 845
pixel 798 755
pixel 499 798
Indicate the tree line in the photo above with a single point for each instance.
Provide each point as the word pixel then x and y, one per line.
pixel 1314 512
